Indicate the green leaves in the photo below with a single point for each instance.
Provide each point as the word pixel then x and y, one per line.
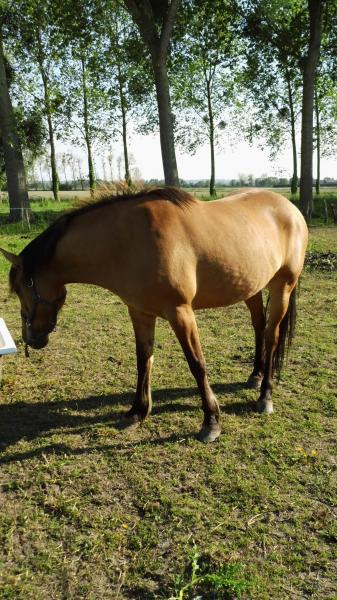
pixel 227 580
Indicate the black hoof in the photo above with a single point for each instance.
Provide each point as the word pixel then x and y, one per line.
pixel 254 382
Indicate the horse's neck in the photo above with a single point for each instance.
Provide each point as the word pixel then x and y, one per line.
pixel 79 256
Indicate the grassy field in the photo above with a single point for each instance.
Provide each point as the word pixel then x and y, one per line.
pixel 43 204
pixel 88 512
pixel 221 191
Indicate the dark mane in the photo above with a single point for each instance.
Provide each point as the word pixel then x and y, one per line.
pixel 41 250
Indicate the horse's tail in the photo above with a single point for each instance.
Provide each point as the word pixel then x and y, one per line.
pixel 287 332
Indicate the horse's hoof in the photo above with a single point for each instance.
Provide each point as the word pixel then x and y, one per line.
pixel 130 422
pixel 209 433
pixel 265 407
pixel 254 382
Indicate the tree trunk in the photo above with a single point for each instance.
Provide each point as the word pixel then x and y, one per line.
pixel 318 144
pixel 53 165
pixel 309 73
pixel 294 179
pixel 212 190
pixel 92 182
pixel 157 42
pixel 54 174
pixel 165 121
pixel 80 174
pixel 127 175
pixel 19 207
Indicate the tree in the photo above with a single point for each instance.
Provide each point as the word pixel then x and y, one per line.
pixel 64 162
pixel 15 172
pixel 85 115
pixel 155 20
pixel 325 120
pixel 325 101
pixel 72 165
pixel 273 114
pixel 310 62
pixel 203 80
pixel 110 159
pixel 273 33
pixel 79 167
pixel 295 29
pixel 121 75
pixel 30 130
pixel 50 104
pixel 36 42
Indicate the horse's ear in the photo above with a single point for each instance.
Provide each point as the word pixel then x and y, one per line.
pixel 13 258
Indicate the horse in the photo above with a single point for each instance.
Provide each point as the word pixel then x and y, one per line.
pixel 167 254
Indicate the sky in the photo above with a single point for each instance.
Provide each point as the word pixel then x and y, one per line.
pixel 237 159
pixel 240 158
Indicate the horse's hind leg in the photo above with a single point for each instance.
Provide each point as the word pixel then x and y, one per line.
pixel 255 305
pixel 184 325
pixel 278 307
pixel 144 327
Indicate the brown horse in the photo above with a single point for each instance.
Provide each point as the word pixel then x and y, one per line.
pixel 166 254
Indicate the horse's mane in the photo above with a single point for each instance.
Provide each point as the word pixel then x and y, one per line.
pixel 41 250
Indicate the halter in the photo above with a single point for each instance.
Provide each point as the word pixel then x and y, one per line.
pixel 37 299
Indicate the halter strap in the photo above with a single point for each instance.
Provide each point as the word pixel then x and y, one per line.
pixel 37 299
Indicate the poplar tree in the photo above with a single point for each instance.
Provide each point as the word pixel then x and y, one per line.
pixel 155 20
pixel 19 206
pixel 310 63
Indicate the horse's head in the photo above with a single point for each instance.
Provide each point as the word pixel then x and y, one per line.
pixel 41 299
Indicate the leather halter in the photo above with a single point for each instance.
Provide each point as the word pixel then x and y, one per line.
pixel 37 299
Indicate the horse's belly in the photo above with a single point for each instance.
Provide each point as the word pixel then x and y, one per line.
pixel 220 286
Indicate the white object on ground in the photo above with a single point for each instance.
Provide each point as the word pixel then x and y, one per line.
pixel 7 345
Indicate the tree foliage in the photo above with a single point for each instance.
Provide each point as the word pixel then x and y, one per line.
pixel 205 53
pixel 90 72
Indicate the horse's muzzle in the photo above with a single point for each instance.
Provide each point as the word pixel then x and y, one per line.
pixel 38 342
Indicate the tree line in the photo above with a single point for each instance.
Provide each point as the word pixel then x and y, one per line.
pixel 215 71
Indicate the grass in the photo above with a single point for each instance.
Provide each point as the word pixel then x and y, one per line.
pixel 44 207
pixel 326 199
pixel 226 581
pixel 88 512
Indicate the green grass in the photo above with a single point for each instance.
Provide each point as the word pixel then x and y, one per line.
pixel 326 198
pixel 88 512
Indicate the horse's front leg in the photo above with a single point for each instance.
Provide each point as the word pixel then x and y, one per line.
pixel 144 327
pixel 184 325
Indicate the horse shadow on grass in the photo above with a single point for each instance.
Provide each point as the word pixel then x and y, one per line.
pixel 23 421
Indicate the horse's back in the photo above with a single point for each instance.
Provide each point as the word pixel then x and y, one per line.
pixel 244 240
pixel 278 220
pixel 256 217
pixel 205 254
pixel 220 252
